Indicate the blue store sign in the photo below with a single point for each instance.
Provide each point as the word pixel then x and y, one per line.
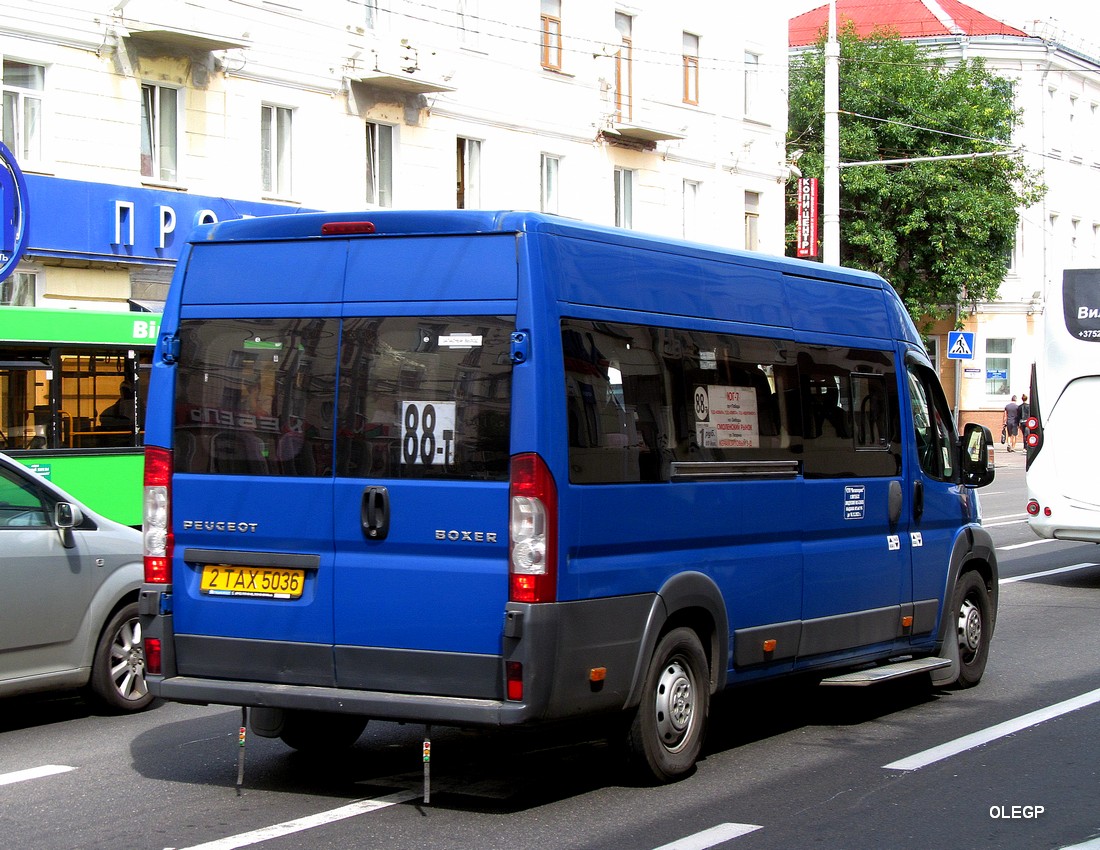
pixel 13 212
pixel 110 223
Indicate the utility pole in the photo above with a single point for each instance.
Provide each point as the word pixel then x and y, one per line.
pixel 831 219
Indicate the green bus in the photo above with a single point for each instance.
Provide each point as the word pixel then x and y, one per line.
pixel 72 400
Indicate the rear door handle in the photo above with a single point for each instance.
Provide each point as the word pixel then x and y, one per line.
pixel 375 513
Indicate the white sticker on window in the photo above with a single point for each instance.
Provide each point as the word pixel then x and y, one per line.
pixel 726 417
pixel 427 432
pixel 460 341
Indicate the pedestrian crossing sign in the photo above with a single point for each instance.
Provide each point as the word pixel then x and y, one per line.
pixel 960 345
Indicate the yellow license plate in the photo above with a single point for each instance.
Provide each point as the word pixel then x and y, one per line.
pixel 268 582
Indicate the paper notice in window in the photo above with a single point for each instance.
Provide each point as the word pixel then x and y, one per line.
pixel 726 417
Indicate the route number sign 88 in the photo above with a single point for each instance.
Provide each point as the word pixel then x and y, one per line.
pixel 427 432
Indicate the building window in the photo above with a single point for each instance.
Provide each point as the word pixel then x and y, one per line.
pixel 550 167
pixel 752 83
pixel 691 68
pixel 624 68
pixel 752 221
pixel 998 366
pixel 23 87
pixel 160 133
pixel 469 29
pixel 551 34
pixel 380 165
pixel 19 290
pixel 691 209
pixel 932 346
pixel 469 174
pixel 624 197
pixel 275 142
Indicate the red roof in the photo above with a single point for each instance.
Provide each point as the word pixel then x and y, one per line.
pixel 910 18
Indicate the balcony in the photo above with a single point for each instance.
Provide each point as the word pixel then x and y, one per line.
pixel 643 128
pixel 395 66
pixel 179 24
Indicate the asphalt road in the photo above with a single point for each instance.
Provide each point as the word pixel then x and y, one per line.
pixel 1009 764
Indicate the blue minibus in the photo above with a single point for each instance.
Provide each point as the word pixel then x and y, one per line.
pixel 492 469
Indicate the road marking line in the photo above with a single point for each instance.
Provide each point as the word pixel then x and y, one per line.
pixel 984 736
pixel 33 773
pixel 1070 569
pixel 710 837
pixel 359 807
pixel 1004 516
pixel 1025 545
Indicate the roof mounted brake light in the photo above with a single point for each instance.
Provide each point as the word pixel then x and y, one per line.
pixel 345 228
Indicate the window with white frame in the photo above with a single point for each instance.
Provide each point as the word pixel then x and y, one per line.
pixel 379 165
pixel 691 209
pixel 998 366
pixel 160 133
pixel 932 346
pixel 624 197
pixel 551 34
pixel 20 290
pixel 551 166
pixel 752 221
pixel 624 68
pixel 275 149
pixel 752 83
pixel 23 89
pixel 468 165
pixel 691 68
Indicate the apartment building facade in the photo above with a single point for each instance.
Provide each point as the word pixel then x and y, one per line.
pixel 134 121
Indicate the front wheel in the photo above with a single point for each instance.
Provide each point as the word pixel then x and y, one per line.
pixel 118 668
pixel 666 732
pixel 972 614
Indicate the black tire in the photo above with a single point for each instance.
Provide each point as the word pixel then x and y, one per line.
pixel 321 731
pixel 972 615
pixel 118 667
pixel 667 729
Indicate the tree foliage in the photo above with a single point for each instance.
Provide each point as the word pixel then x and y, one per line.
pixel 941 232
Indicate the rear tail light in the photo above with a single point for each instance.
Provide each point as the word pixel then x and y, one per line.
pixel 513 674
pixel 1034 432
pixel 152 656
pixel 157 515
pixel 532 531
pixel 1033 508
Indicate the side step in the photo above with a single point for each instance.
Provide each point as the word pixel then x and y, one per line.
pixel 873 675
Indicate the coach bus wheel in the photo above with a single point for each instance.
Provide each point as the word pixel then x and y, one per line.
pixel 972 612
pixel 320 731
pixel 666 733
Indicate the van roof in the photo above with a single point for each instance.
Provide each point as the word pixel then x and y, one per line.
pixel 473 222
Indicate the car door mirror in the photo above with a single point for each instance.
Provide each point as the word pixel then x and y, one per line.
pixel 976 466
pixel 66 517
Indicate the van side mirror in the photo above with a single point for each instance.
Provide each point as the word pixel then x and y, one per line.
pixel 976 465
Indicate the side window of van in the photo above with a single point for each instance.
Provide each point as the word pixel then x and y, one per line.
pixel 850 422
pixel 648 404
pixel 933 427
pixel 425 397
pixel 255 396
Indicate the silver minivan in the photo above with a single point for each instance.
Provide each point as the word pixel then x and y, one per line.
pixel 69 582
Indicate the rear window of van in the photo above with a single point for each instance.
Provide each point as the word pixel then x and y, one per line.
pixel 371 397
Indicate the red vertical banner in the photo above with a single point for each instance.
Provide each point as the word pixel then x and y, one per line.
pixel 806 231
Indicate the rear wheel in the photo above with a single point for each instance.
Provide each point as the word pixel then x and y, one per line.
pixel 666 733
pixel 319 731
pixel 118 667
pixel 973 619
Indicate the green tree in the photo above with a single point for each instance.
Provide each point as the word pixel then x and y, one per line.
pixel 941 232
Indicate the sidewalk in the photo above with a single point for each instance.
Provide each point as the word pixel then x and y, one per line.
pixel 1004 459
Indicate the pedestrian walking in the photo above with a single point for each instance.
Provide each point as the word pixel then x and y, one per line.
pixel 1025 412
pixel 1012 422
